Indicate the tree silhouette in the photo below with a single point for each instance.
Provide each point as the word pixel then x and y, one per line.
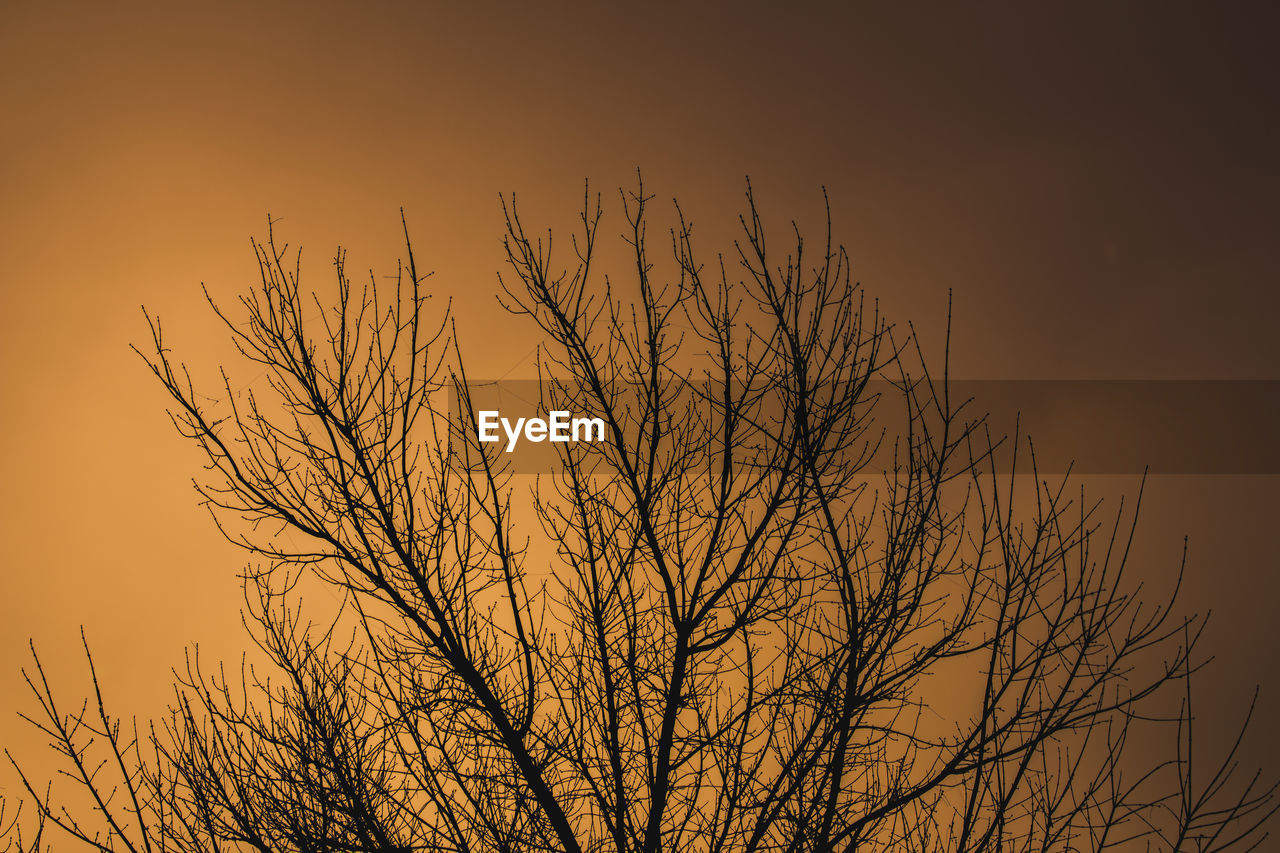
pixel 791 603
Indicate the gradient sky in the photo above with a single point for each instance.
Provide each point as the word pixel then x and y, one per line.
pixel 1097 186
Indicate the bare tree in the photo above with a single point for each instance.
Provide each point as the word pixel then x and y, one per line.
pixel 791 603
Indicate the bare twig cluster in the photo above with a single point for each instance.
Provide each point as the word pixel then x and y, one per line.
pixel 779 609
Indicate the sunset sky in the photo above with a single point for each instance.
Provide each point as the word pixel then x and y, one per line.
pixel 1096 184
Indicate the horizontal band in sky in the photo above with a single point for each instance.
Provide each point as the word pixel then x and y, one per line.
pixel 1201 427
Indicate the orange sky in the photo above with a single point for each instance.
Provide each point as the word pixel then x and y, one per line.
pixel 1097 187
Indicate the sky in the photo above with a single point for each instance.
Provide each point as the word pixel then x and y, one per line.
pixel 1094 184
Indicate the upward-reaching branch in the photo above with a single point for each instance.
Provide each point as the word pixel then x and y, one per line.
pixel 790 604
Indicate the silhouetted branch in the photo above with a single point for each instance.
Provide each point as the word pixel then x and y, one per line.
pixel 790 604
